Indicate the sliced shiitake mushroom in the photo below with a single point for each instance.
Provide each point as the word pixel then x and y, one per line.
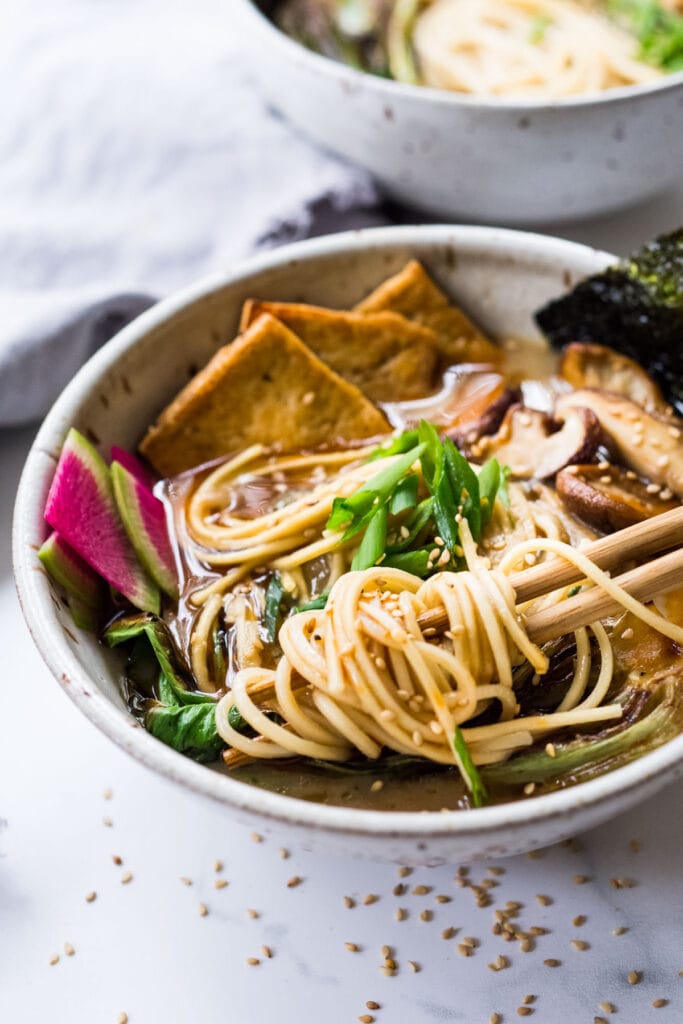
pixel 467 434
pixel 609 498
pixel 598 366
pixel 650 445
pixel 533 444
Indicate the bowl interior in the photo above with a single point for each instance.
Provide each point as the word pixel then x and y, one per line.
pixel 500 277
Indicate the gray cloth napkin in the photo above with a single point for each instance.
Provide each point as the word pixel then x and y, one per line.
pixel 135 156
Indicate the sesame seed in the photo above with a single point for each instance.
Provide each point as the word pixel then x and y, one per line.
pixel 252 913
pixel 550 750
pixel 349 903
pixel 377 785
pixel 117 860
pixel 308 398
pixel 107 793
pixel 422 890
pixel 122 1018
pixel 633 977
pixel 372 1005
pixel 54 959
pixel 464 950
pixel 581 879
pixel 545 901
pixel 371 897
pixel 284 853
pixel 495 1018
pixel 627 634
pixel 390 963
pixel 401 914
pixel 442 898
pixel 69 949
pixel 203 910
pixel 622 883
pixel 529 999
pixel 293 882
pixel 448 933
pixel 415 967
pixel 659 1003
pixel 366 1018
pixel 267 952
pixel 620 931
pixel 90 897
pixel 220 883
pixel 608 1007
pixel 417 738
pixel 253 961
pixel 126 877
pixel 526 945
pixel 524 1011
pixel 256 837
pixel 386 951
pixel 552 963
pixel 579 944
pixel 217 866
pixel 185 881
pixel 579 920
pixel 529 788
pixel 107 822
pixel 426 915
pixel 599 1020
pixel 351 947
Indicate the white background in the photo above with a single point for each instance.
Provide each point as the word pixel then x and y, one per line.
pixel 143 947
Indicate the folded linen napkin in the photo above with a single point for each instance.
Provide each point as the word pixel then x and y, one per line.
pixel 135 156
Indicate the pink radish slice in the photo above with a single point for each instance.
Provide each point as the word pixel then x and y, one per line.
pixel 144 521
pixel 133 464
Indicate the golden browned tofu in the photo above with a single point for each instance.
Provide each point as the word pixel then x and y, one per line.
pixel 267 388
pixel 389 358
pixel 414 295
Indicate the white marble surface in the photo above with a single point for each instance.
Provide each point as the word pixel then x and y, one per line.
pixel 144 948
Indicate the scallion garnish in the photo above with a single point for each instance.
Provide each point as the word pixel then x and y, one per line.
pixel 468 769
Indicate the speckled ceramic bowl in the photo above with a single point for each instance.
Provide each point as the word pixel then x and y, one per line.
pixel 500 277
pixel 461 157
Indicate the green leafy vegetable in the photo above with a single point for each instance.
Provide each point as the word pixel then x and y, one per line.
pixel 353 513
pixel 490 479
pixel 188 728
pixel 635 306
pixel 314 605
pixel 658 30
pixel 397 446
pixel 374 541
pixel 468 770
pixel 405 495
pixel 271 615
pixel 416 562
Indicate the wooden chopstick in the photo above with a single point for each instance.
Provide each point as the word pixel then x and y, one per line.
pixel 635 543
pixel 644 583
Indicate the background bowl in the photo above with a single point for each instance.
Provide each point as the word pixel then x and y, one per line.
pixel 460 157
pixel 500 277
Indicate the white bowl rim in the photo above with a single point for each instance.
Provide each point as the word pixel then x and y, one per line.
pixel 119 726
pixel 445 98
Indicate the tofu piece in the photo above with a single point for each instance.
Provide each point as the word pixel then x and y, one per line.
pixel 267 388
pixel 414 295
pixel 385 355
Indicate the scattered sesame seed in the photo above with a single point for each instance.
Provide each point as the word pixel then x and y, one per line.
pixel 256 837
pixel 377 785
pixel 349 903
pixel 117 860
pixel 284 853
pixel 122 1018
pixel 529 999
pixel 422 890
pixel 545 901
pixel 185 880
pixel 495 1018
pixel 659 1003
pixel 552 963
pixel 126 877
pixel 293 882
pixel 217 866
pixel 599 1020
pixel 633 977
pixel 220 883
pixel 608 1007
pixel 401 914
pixel 252 913
pixel 465 950
pixel 426 915
pixel 386 951
pixel 579 944
pixel 527 945
pixel 366 1018
pixel 253 961
pixel 203 910
pixel 390 963
pixel 90 897
pixel 415 967
pixel 403 872
pixel 448 933
pixel 622 883
pixel 581 879
pixel 69 949
pixel 107 822
pixel 442 898
pixel 352 947
pixel 54 959
pixel 620 931
pixel 371 898
pixel 537 930
pixel 524 1011
pixel 107 793
pixel 372 1005
pixel 529 788
pixel 579 920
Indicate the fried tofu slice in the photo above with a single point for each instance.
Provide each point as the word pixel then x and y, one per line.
pixel 414 295
pixel 385 355
pixel 266 387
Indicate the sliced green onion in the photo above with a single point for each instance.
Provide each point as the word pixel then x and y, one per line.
pixel 468 770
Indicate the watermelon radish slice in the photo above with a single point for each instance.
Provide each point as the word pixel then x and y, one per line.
pixel 84 587
pixel 144 521
pixel 81 507
pixel 134 466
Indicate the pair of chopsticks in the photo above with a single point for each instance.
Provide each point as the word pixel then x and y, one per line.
pixel 636 543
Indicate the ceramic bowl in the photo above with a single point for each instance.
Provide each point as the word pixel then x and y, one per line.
pixel 461 157
pixel 500 277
